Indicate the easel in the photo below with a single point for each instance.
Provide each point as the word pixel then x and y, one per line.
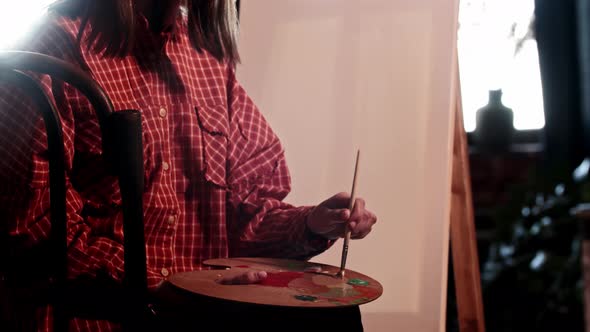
pixel 463 241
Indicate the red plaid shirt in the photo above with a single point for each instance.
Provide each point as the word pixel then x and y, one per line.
pixel 215 173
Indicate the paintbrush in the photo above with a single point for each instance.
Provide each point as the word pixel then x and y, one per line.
pixel 340 273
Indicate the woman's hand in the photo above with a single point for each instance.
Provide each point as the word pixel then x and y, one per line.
pixel 330 218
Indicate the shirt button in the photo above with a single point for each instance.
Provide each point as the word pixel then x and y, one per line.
pixel 163 112
pixel 165 166
pixel 165 272
pixel 171 220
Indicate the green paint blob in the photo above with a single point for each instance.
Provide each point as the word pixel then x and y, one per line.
pixel 306 298
pixel 358 282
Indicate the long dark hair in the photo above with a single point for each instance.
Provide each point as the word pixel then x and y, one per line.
pixel 212 25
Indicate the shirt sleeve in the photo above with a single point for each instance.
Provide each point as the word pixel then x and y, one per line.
pixel 24 168
pixel 261 223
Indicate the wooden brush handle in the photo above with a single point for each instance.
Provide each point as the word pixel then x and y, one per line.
pixel 350 207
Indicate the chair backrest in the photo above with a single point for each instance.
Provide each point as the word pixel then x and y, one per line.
pixel 123 152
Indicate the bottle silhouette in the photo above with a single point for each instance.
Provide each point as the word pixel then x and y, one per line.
pixel 495 126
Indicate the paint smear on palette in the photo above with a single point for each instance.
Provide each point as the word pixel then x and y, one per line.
pixel 338 303
pixel 306 298
pixel 308 286
pixel 335 291
pixel 280 279
pixel 348 296
pixel 296 265
pixel 329 281
pixel 340 292
pixel 367 291
pixel 313 288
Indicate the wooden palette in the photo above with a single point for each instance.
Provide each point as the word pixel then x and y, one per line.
pixel 287 283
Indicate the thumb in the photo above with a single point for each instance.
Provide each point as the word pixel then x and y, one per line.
pixel 250 277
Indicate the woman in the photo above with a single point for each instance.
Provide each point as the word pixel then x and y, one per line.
pixel 215 172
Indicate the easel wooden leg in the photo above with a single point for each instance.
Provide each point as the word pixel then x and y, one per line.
pixel 463 240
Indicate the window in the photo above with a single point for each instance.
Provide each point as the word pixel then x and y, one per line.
pixel 17 17
pixel 497 50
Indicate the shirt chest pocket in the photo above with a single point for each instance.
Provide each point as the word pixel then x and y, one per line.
pixel 202 139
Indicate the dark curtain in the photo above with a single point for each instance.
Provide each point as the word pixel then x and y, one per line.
pixel 562 31
pixel 583 25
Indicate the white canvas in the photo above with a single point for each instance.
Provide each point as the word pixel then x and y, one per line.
pixel 335 75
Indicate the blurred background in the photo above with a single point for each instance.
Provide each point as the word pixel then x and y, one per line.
pixel 524 79
pixel 524 70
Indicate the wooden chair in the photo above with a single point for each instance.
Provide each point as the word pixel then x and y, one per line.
pixel 123 151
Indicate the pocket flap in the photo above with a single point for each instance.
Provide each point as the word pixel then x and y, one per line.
pixel 213 119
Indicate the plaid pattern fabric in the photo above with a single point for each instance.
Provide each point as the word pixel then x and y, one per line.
pixel 215 173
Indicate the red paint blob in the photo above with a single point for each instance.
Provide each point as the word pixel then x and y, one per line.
pixel 280 279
